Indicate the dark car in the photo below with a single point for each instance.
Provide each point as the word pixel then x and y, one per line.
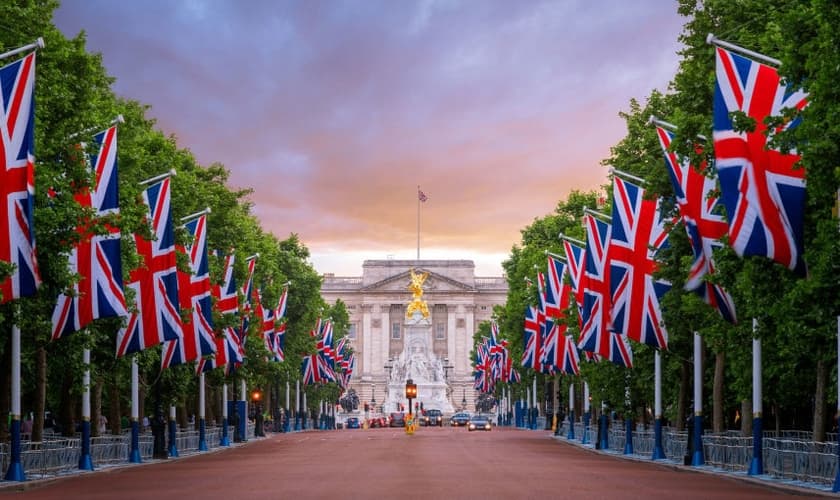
pixel 352 423
pixel 479 423
pixel 432 417
pixel 376 422
pixel 459 419
pixel 397 420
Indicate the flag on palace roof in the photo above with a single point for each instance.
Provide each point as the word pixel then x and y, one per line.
pixel 95 258
pixel 155 283
pixel 704 223
pixel 762 189
pixel 638 234
pixel 17 178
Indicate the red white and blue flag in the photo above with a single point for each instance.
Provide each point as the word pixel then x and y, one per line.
pixel 17 178
pixel 638 234
pixel 597 335
pixel 703 221
pixel 560 291
pixel 762 188
pixel 95 258
pixel 155 283
pixel 570 359
pixel 576 261
pixel 531 337
pixel 197 337
pixel 228 353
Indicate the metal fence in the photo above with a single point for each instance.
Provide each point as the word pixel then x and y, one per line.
pixel 789 455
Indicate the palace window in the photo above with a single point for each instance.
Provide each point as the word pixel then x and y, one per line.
pixel 351 331
pixel 440 331
pixel 395 330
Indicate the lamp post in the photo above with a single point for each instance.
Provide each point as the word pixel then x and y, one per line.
pixel 410 393
pixel 256 400
pixel 464 400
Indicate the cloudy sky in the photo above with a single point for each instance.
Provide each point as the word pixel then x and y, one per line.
pixel 335 111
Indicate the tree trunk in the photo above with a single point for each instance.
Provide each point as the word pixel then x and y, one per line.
pixel 95 407
pixel 718 424
pixel 746 417
pixel 819 402
pixel 40 393
pixel 181 416
pixel 67 410
pixel 115 406
pixel 682 401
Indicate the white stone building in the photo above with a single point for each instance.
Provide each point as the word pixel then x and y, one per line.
pixel 457 300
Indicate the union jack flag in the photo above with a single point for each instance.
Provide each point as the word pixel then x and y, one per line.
pixel 96 258
pixel 155 283
pixel 703 222
pixel 197 337
pixel 17 178
pixel 280 343
pixel 310 369
pixel 638 233
pixel 596 287
pixel 531 353
pixel 762 191
pixel 247 291
pixel 228 353
pixel 552 353
pixel 227 301
pixel 570 363
pixel 576 260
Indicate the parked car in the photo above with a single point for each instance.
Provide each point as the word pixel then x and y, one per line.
pixel 375 422
pixel 459 419
pixel 352 423
pixel 432 417
pixel 479 423
pixel 397 419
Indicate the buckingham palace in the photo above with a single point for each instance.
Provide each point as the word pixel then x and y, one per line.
pixel 433 347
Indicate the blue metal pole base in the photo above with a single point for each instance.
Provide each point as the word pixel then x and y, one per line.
pixel 297 422
pixel 604 434
pixel 697 456
pixel 225 439
pixel 658 451
pixel 836 487
pixel 134 453
pixel 571 434
pixel 286 421
pixel 202 435
pixel 757 463
pixel 584 439
pixel 628 441
pixel 173 433
pixel 85 462
pixel 15 470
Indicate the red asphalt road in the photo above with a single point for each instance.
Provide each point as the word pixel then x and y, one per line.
pixel 435 463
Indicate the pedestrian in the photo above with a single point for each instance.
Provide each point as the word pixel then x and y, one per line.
pixel 103 424
pixel 145 423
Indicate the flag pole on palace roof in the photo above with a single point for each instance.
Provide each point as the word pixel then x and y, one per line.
pixel 421 197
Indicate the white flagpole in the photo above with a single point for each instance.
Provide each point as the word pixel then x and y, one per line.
pixel 225 440
pixel 697 456
pixel 37 44
pixel 85 461
pixel 418 222
pixel 712 40
pixel 202 436
pixel 757 463
pixel 156 178
pixel 134 454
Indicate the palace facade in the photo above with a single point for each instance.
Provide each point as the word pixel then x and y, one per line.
pixel 458 301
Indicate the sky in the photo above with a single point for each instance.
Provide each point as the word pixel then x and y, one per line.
pixel 334 112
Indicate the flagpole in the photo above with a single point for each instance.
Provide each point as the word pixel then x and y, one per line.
pixel 712 40
pixel 156 178
pixel 697 456
pixel 418 222
pixel 37 44
pixel 85 462
pixel 658 452
pixel 15 470
pixel 225 439
pixel 202 429
pixel 757 462
pixel 134 454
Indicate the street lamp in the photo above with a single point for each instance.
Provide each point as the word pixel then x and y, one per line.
pixel 256 399
pixel 410 393
pixel 464 400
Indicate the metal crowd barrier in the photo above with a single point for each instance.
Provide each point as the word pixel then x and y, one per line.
pixel 56 455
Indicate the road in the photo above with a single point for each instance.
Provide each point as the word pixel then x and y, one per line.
pixel 435 463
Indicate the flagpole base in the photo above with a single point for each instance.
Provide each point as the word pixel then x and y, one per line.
pixel 658 451
pixel 85 461
pixel 697 456
pixel 584 438
pixel 134 452
pixel 173 435
pixel 836 487
pixel 628 442
pixel 757 462
pixel 603 433
pixel 202 435
pixel 15 469
pixel 571 434
pixel 224 440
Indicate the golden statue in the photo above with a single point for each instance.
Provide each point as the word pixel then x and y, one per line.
pixel 416 287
